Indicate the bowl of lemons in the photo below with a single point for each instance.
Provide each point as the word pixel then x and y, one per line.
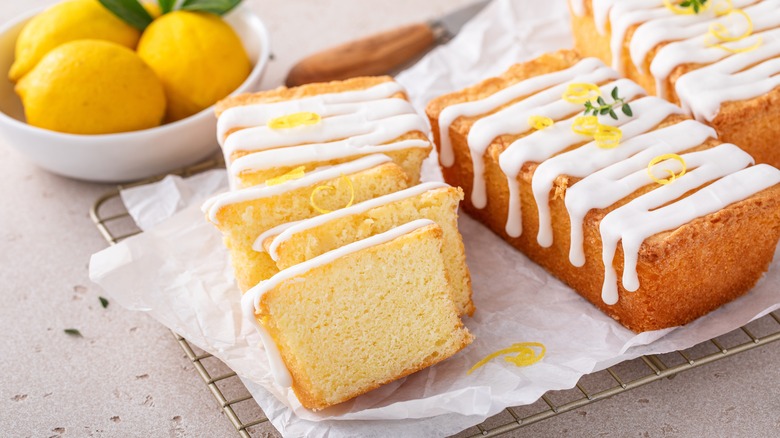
pixel 119 90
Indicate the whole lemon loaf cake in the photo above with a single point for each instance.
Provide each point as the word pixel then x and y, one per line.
pixel 243 215
pixel 297 242
pixel 718 59
pixel 641 210
pixel 267 134
pixel 351 319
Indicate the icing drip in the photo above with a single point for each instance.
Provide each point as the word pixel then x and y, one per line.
pixel 692 51
pixel 524 88
pixel 297 227
pixel 541 145
pixel 738 77
pixel 295 155
pixel 613 183
pixel 589 158
pixel 362 118
pixel 250 302
pixel 644 216
pixel 514 120
pixel 323 104
pixel 213 205
pixel 275 231
pixel 279 370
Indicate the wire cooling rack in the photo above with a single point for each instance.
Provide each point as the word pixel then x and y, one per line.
pixel 115 224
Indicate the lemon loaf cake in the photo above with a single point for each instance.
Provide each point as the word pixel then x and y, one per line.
pixel 242 215
pixel 718 59
pixel 297 242
pixel 365 314
pixel 641 210
pixel 267 134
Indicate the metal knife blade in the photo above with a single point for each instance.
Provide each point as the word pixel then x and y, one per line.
pixel 447 26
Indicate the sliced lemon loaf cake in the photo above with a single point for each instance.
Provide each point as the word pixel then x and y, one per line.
pixel 297 242
pixel 267 134
pixel 351 319
pixel 242 215
pixel 640 209
pixel 720 60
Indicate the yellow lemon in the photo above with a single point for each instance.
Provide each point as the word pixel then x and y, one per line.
pixel 197 56
pixel 67 21
pixel 92 87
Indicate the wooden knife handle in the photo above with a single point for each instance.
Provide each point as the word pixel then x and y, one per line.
pixel 374 55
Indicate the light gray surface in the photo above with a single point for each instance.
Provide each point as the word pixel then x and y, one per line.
pixel 128 377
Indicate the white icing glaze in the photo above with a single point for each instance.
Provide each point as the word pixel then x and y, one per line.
pixel 514 120
pixel 578 7
pixel 250 302
pixel 541 145
pixel 483 106
pixel 324 104
pixel 692 50
pixel 213 205
pixel 363 118
pixel 275 231
pixel 361 207
pixel 589 158
pixel 644 216
pixel 609 185
pixel 738 77
pixel 298 155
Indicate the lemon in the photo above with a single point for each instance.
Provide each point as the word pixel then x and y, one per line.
pixel 197 56
pixel 92 87
pixel 67 21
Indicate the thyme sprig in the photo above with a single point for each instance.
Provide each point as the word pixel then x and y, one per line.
pixel 696 5
pixel 602 108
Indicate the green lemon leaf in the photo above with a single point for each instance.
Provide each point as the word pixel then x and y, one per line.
pixel 130 11
pixel 73 332
pixel 166 5
pixel 219 7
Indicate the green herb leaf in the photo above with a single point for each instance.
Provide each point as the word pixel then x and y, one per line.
pixel 73 332
pixel 612 114
pixel 615 93
pixel 103 302
pixel 604 111
pixel 627 110
pixel 219 7
pixel 601 101
pixel 602 108
pixel 130 11
pixel 166 5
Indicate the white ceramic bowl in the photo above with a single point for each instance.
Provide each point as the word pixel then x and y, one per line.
pixel 124 156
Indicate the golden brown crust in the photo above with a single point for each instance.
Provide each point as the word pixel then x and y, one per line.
pixel 751 124
pixel 683 274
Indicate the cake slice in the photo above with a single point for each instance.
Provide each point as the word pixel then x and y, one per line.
pixel 645 214
pixel 267 134
pixel 298 242
pixel 720 63
pixel 362 315
pixel 243 215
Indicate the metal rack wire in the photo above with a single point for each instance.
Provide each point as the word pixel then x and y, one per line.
pixel 115 224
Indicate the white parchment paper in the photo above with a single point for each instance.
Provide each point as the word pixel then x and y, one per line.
pixel 178 272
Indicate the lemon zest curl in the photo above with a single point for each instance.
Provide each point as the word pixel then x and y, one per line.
pixel 329 187
pixel 526 355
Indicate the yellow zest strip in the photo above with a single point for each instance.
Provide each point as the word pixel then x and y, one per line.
pixel 540 122
pixel 293 120
pixel 330 187
pixel 679 10
pixel 296 173
pixel 749 48
pixel 580 93
pixel 721 32
pixel 672 176
pixel 607 137
pixel 585 125
pixel 526 355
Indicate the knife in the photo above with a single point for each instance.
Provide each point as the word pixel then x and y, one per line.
pixel 380 53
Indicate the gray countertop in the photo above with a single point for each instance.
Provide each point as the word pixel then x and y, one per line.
pixel 128 377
